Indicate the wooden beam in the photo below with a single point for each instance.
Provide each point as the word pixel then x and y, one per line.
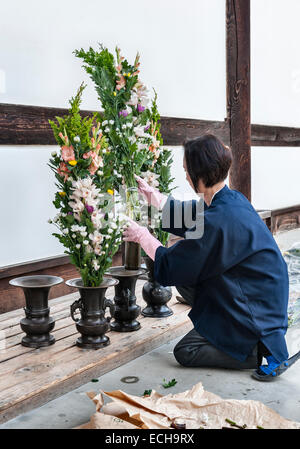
pixel 284 219
pixel 238 92
pixel 275 136
pixel 35 265
pixel 29 125
pixel 176 130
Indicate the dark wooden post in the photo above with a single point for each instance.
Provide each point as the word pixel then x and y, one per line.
pixel 238 93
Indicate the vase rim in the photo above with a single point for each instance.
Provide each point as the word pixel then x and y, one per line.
pixel 106 282
pixel 36 281
pixel 121 271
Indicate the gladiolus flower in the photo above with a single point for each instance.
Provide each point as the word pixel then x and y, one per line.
pixel 67 153
pixel 63 171
pixel 121 82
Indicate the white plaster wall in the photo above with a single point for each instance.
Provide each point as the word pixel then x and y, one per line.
pixel 275 99
pixel 182 47
pixel 27 191
pixel 182 57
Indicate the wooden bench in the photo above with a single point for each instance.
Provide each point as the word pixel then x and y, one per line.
pixel 31 377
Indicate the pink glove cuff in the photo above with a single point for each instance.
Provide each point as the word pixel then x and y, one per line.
pixel 158 199
pixel 149 244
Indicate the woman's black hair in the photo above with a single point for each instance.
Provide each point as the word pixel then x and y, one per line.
pixel 208 159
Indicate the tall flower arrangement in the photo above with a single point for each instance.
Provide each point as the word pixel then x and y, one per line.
pixel 126 118
pixel 130 123
pixel 86 223
pixel 158 174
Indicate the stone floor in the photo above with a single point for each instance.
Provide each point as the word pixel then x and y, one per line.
pixel 75 408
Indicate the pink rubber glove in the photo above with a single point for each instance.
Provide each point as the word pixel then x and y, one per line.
pixel 141 235
pixel 152 195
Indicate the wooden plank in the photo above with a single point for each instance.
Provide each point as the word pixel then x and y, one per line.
pixel 12 298
pixel 238 93
pixel 176 130
pixel 32 377
pixel 20 269
pixel 275 136
pixel 285 219
pixel 28 125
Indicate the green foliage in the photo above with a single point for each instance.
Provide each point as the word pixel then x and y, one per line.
pixel 94 60
pixel 73 124
pixel 169 384
pixel 147 392
pixel 114 85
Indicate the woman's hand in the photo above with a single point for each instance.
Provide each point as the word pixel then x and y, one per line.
pixel 152 195
pixel 140 234
pixel 134 232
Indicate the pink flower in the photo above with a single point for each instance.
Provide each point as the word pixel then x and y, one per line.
pixel 63 171
pixel 91 154
pixel 67 153
pixel 121 82
pixel 96 161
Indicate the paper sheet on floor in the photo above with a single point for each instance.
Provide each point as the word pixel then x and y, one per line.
pixel 197 408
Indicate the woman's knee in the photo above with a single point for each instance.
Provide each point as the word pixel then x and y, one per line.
pixel 182 355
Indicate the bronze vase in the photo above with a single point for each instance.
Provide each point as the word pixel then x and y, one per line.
pixel 127 311
pixel 37 323
pixel 155 295
pixel 92 303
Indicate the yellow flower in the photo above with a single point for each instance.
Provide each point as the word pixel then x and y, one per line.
pixel 128 74
pixel 111 192
pixel 73 163
pixel 115 94
pixel 62 193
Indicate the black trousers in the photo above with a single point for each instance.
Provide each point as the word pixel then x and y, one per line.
pixel 195 351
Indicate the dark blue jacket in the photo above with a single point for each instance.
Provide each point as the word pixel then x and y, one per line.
pixel 240 277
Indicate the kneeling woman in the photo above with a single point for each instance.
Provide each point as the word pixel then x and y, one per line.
pixel 233 276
